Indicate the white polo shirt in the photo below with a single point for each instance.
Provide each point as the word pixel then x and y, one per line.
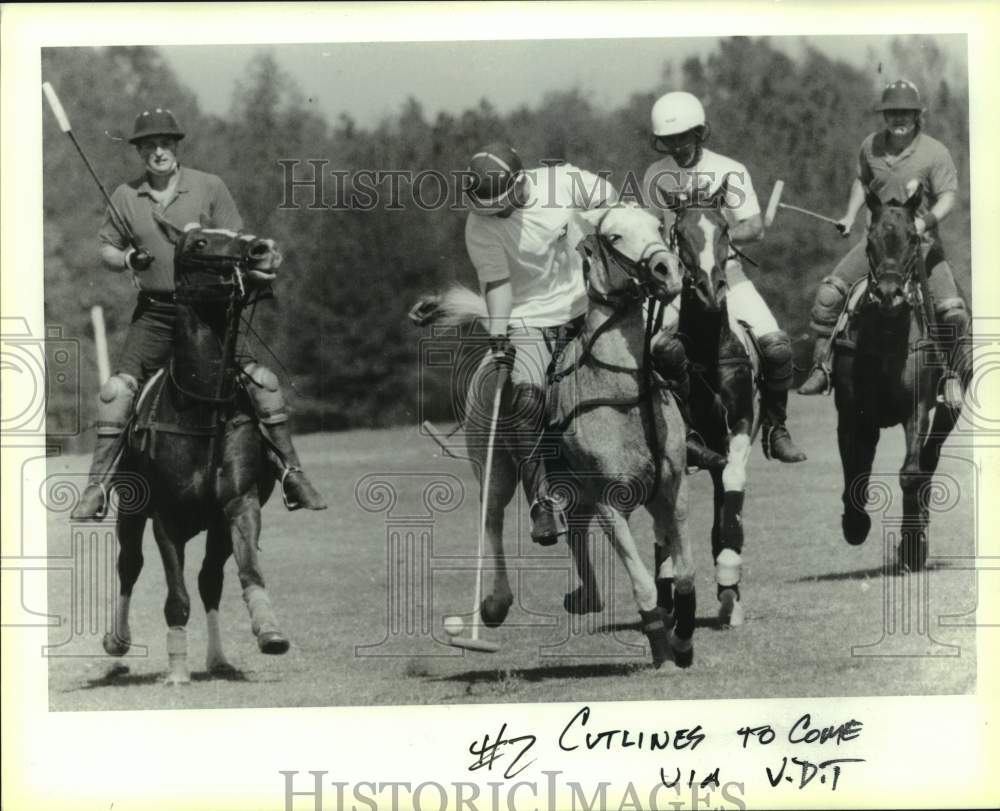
pixel 535 247
pixel 714 172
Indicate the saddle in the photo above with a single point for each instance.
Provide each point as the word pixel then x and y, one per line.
pixel 145 423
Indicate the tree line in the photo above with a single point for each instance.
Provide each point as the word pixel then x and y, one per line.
pixel 338 333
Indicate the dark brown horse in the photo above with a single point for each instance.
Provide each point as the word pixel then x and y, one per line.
pixel 200 451
pixel 887 370
pixel 723 384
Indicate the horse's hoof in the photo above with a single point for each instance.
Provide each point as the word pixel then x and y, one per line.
pixel 114 645
pixel 493 610
pixel 175 679
pixel 654 626
pixel 273 643
pixel 582 601
pixel 730 609
pixel 683 651
pixel 855 526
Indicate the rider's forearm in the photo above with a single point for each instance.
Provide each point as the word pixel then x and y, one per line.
pixel 941 209
pixel 748 230
pixel 857 199
pixel 499 302
pixel 113 258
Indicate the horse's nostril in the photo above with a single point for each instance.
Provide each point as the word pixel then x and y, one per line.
pixel 259 250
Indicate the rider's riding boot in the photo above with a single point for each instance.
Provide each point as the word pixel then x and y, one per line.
pixel 548 522
pixel 93 503
pixel 113 409
pixel 819 378
pixel 953 315
pixel 699 455
pixel 670 361
pixel 297 491
pixel 777 442
pixel 269 403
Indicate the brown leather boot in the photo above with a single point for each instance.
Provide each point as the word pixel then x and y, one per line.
pixel 820 377
pixel 776 440
pixel 93 503
pixel 296 489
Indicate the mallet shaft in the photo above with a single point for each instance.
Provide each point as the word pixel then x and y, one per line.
pixel 64 125
pixel 809 213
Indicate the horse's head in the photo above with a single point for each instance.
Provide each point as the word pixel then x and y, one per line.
pixel 215 259
pixel 893 249
pixel 631 253
pixel 701 235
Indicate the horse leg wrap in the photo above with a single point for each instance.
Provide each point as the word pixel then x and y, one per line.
pixel 177 655
pixel 262 617
pixel 732 521
pixel 665 594
pixel 684 608
pixel 728 569
pixel 654 626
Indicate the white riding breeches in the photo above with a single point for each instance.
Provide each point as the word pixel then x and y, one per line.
pixel 743 302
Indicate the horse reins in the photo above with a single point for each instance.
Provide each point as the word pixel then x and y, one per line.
pixel 620 305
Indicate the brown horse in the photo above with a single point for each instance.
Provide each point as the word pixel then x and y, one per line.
pixel 887 371
pixel 196 444
pixel 622 435
pixel 724 384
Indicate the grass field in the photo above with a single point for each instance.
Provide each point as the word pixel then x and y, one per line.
pixel 809 597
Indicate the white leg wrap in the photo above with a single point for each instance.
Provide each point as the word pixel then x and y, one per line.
pixel 728 568
pixel 734 475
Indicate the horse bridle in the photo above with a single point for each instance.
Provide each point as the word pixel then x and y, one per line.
pixel 232 290
pixel 875 268
pixel 639 271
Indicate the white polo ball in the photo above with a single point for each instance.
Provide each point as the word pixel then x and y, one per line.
pixel 453 625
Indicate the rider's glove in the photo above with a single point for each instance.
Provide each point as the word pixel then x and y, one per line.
pixel 502 351
pixel 138 259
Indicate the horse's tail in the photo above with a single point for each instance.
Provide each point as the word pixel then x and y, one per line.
pixel 455 306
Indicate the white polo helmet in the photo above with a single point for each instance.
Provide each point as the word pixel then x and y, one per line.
pixel 677 112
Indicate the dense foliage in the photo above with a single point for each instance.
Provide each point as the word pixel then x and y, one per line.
pixel 346 350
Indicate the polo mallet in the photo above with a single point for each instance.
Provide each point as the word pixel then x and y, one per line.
pixel 64 125
pixel 775 203
pixel 474 642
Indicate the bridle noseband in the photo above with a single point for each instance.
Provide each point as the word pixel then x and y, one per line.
pixel 639 271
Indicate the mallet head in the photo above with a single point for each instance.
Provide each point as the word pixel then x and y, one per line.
pixel 772 204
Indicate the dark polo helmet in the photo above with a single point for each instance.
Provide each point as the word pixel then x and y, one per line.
pixel 158 121
pixel 900 95
pixel 495 168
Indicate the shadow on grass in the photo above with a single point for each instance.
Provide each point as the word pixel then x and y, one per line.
pixel 499 676
pixel 119 676
pixel 712 623
pixel 878 572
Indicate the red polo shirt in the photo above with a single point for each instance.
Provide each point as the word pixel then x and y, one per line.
pixel 201 197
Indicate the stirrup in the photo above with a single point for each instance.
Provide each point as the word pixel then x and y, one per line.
pixel 101 512
pixel 289 505
pixel 827 374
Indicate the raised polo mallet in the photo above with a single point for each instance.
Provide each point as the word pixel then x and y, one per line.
pixel 775 203
pixel 63 119
pixel 474 642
